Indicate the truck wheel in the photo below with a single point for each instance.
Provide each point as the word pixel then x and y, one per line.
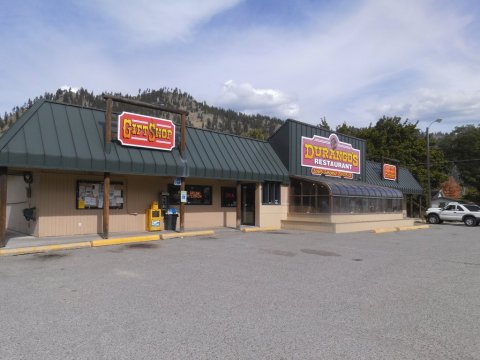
pixel 470 221
pixel 433 219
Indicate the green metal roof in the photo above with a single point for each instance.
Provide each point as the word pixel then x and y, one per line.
pixel 406 182
pixel 52 135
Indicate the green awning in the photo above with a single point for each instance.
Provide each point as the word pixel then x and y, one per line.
pixel 55 136
pixel 353 188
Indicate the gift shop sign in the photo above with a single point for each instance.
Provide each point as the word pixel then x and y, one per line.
pixel 334 157
pixel 389 172
pixel 146 131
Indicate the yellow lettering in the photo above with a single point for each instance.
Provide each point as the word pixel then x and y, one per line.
pixel 309 151
pixel 127 128
pixel 355 160
pixel 325 153
pixel 151 133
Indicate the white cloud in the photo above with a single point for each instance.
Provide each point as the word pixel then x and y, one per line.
pixel 456 107
pixel 160 21
pixel 246 98
pixel 354 62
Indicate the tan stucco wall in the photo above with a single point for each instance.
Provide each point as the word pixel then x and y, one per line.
pixel 343 223
pixel 345 218
pixel 203 216
pixel 271 215
pixel 59 216
pixel 17 201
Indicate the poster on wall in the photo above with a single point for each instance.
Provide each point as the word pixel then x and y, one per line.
pixel 89 195
pixel 330 156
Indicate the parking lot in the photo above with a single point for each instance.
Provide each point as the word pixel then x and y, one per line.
pixel 272 295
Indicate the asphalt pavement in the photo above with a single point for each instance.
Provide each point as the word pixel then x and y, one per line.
pixel 268 295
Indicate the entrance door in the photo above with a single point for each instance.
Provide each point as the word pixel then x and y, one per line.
pixel 248 204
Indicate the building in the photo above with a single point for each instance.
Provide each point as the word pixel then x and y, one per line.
pixel 53 161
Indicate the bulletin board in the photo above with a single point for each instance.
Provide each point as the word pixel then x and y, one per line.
pixel 89 195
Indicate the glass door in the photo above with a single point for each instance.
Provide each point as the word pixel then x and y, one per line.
pixel 248 204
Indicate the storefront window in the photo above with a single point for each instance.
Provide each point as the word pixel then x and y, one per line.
pixel 229 197
pixel 311 197
pixel 306 197
pixel 271 193
pixel 196 194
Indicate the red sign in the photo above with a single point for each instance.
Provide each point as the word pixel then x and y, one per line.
pixel 389 172
pixel 146 131
pixel 330 154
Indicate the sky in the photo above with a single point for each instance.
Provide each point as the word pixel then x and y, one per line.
pixel 350 61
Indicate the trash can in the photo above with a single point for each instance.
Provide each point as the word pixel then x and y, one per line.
pixel 170 221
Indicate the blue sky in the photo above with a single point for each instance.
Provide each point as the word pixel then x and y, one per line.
pixel 348 61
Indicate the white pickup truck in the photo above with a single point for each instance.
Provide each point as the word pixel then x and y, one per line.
pixel 454 211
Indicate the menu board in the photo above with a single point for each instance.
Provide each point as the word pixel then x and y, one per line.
pixel 89 195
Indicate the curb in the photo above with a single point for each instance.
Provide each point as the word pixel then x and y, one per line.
pixel 45 248
pixel 257 229
pixel 119 241
pixel 186 234
pixel 99 243
pixel 384 230
pixel 401 228
pixel 415 227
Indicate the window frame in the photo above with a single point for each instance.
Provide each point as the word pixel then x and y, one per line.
pixel 271 193
pixel 223 191
pixel 174 194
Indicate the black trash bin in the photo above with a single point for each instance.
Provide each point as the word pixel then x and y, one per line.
pixel 170 221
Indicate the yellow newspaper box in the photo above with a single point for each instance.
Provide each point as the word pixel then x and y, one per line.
pixel 154 218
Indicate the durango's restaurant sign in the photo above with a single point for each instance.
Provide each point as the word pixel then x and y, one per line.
pixel 146 131
pixel 330 157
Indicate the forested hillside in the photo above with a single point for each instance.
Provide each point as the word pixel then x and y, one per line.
pixel 200 114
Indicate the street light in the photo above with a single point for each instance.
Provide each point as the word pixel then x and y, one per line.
pixel 428 162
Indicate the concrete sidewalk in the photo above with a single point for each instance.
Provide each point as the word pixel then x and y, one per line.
pixel 19 244
pixel 17 240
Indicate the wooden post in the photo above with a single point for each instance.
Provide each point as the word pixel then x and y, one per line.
pixel 183 148
pixel 420 206
pixel 106 203
pixel 108 126
pixel 239 204
pixel 411 206
pixel 182 206
pixel 108 135
pixel 3 206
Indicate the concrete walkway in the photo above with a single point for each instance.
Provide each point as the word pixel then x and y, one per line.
pixel 19 244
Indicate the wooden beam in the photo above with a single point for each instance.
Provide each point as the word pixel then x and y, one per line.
pixel 108 134
pixel 239 204
pixel 420 206
pixel 3 206
pixel 144 104
pixel 411 206
pixel 108 126
pixel 106 204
